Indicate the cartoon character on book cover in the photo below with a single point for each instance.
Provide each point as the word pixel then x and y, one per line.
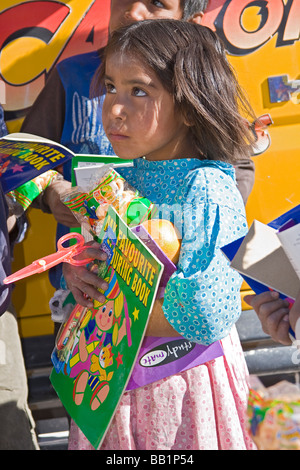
pixel 93 358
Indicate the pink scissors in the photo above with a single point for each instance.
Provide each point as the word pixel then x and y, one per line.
pixel 63 254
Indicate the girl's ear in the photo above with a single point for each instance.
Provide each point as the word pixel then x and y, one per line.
pixel 187 120
pixel 196 18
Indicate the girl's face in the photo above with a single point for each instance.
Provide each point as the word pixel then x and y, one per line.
pixel 139 116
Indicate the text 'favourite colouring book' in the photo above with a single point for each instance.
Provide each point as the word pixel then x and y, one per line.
pixel 93 363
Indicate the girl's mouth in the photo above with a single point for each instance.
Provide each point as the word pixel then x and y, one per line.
pixel 117 136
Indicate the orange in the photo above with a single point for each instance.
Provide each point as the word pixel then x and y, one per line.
pixel 165 234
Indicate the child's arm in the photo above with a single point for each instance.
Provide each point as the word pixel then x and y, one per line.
pixel 202 298
pixel 158 325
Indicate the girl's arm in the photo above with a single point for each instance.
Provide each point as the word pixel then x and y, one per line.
pixel 202 298
pixel 158 325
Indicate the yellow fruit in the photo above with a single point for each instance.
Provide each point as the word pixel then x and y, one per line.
pixel 166 236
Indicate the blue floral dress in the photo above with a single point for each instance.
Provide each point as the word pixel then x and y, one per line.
pixel 202 298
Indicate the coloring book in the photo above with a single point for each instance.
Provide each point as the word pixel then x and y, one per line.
pixel 98 347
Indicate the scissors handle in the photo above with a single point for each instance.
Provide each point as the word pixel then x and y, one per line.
pixel 78 262
pixel 74 250
pixel 70 236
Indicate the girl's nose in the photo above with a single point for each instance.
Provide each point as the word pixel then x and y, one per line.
pixel 118 111
pixel 137 11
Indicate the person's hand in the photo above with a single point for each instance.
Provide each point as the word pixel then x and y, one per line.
pixel 294 314
pixel 51 198
pixel 273 313
pixel 83 283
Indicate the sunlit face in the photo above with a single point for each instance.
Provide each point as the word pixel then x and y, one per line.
pixel 124 12
pixel 139 115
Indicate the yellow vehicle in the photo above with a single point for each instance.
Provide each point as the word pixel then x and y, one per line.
pixel 262 40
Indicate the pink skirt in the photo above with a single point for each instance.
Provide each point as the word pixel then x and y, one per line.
pixel 203 408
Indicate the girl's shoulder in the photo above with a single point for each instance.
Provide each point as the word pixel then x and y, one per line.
pixel 213 168
pixel 212 181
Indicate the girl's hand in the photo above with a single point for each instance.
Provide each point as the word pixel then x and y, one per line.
pixel 83 283
pixel 273 313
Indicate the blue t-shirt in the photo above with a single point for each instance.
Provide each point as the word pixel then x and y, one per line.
pixel 83 131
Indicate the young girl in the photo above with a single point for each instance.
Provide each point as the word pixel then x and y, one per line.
pixel 173 106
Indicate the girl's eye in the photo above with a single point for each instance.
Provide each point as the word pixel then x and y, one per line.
pixel 110 313
pixel 158 4
pixel 104 308
pixel 110 88
pixel 138 92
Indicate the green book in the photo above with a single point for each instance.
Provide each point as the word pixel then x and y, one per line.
pixel 97 349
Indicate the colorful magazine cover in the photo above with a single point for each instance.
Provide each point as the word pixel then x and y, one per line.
pixel 23 157
pixel 97 349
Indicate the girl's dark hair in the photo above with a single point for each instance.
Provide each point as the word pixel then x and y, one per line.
pixel 190 61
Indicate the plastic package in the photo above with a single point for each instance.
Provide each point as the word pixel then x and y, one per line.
pixel 274 416
pixel 107 188
pixel 20 198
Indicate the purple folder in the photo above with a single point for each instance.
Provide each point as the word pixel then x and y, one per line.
pixel 162 357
